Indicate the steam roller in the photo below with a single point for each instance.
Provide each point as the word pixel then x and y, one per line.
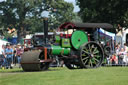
pixel 75 50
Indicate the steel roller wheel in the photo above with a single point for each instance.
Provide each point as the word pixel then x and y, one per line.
pixel 91 55
pixel 35 66
pixel 30 61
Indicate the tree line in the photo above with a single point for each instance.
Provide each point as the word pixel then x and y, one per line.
pixel 111 11
pixel 27 15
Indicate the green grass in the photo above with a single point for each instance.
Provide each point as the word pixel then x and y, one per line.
pixel 64 76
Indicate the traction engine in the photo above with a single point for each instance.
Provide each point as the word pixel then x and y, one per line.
pixel 74 49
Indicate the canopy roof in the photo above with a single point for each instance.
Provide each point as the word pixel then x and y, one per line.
pixel 87 26
pixel 3 42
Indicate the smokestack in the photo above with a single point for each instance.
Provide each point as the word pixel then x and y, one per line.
pixel 45 29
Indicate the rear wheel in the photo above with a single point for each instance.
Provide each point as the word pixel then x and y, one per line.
pixel 91 55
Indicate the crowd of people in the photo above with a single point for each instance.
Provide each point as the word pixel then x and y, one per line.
pixel 120 57
pixel 10 55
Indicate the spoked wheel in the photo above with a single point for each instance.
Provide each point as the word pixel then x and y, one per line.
pixel 91 55
pixel 107 51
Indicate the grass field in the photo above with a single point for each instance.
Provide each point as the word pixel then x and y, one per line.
pixel 64 76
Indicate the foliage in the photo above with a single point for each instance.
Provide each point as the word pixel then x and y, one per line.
pixel 77 18
pixel 110 11
pixel 64 76
pixel 126 19
pixel 7 35
pixel 15 13
pixel 61 12
pixel 28 14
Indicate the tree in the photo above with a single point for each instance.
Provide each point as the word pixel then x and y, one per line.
pixel 126 19
pixel 110 11
pixel 28 14
pixel 61 12
pixel 16 13
pixel 77 18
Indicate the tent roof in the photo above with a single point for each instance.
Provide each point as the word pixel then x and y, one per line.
pixel 3 42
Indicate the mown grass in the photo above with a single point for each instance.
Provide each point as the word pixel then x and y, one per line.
pixel 64 76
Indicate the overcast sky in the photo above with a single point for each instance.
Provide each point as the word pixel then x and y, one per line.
pixel 1 0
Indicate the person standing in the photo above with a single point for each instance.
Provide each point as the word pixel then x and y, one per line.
pixel 2 57
pixel 122 54
pixel 125 59
pixel 14 55
pixel 19 52
pixel 9 55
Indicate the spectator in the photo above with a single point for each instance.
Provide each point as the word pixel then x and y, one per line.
pixel 117 51
pixel 9 55
pixel 125 47
pixel 2 57
pixel 19 52
pixel 114 59
pixel 125 59
pixel 122 54
pixel 14 55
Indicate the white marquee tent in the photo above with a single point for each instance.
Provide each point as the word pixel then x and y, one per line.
pixel 3 42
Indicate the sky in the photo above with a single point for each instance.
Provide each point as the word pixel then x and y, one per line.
pixel 1 0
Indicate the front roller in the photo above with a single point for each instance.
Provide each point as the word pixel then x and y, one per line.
pixel 91 55
pixel 31 61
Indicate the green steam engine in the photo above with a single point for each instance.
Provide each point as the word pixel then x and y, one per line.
pixel 77 49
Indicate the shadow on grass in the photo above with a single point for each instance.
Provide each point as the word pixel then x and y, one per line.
pixel 11 71
pixel 20 70
pixel 50 69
